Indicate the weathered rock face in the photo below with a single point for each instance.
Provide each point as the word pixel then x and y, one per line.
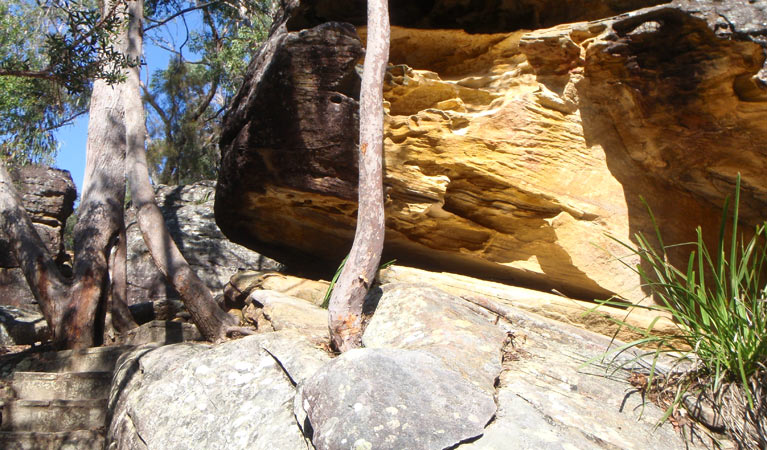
pixel 483 16
pixel 510 155
pixel 402 399
pixel 420 317
pixel 188 213
pixel 48 195
pixel 547 397
pixel 439 371
pixel 234 396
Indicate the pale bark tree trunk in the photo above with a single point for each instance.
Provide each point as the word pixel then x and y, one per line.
pixel 346 301
pixel 43 277
pixel 212 321
pixel 100 218
pixel 122 319
pixel 119 318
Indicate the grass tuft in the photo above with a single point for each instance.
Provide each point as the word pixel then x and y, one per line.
pixel 719 304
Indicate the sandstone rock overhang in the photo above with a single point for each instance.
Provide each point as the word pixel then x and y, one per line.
pixel 508 155
pixel 477 16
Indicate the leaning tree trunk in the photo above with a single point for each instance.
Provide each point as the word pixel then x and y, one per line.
pixel 346 301
pixel 48 286
pixel 212 321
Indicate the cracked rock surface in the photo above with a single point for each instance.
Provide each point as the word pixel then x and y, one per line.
pixel 393 399
pixel 548 398
pixel 420 317
pixel 425 380
pixel 439 373
pixel 236 395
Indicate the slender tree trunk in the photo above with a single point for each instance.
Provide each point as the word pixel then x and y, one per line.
pixel 121 318
pixel 212 321
pixel 43 277
pixel 345 308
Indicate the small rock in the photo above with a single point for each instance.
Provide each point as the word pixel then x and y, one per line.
pixel 287 312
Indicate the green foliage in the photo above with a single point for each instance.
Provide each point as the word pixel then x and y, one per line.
pixel 329 292
pixel 718 302
pixel 188 97
pixel 69 232
pixel 183 146
pixel 50 52
pixel 29 119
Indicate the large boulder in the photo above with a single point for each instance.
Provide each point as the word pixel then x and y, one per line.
pixel 237 395
pixel 48 196
pixel 188 214
pixel 393 399
pixel 514 156
pixel 478 16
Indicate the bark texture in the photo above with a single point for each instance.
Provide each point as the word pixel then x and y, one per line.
pixel 345 308
pixel 100 213
pixel 120 317
pixel 100 220
pixel 209 318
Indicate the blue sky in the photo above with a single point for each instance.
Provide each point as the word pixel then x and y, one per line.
pixel 72 138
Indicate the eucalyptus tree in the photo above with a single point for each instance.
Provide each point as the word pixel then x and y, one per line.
pixel 186 99
pixel 357 275
pixel 76 308
pixel 50 52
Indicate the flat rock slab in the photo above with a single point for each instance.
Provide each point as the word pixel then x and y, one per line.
pixel 288 312
pixel 54 415
pixel 161 332
pixel 66 440
pixel 548 398
pixel 94 359
pixel 62 386
pixel 421 317
pixel 21 326
pixel 232 396
pixel 393 399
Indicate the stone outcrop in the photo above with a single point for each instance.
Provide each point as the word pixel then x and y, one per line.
pixel 481 16
pixel 233 396
pixel 402 399
pixel 550 397
pixel 188 213
pixel 48 195
pixel 420 317
pixel 513 152
pixel 439 372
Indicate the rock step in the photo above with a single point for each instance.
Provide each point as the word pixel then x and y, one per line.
pixel 62 386
pixel 66 440
pixel 54 415
pixel 161 332
pixel 95 359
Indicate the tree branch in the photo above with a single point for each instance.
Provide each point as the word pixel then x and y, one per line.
pixel 66 121
pixel 164 21
pixel 149 97
pixel 44 74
